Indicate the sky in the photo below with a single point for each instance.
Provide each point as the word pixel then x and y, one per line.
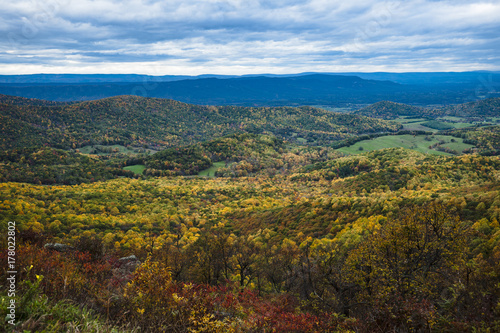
pixel 188 37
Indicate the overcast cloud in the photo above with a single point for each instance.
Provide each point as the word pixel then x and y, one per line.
pixel 247 36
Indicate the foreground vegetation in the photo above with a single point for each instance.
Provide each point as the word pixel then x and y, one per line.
pixel 382 241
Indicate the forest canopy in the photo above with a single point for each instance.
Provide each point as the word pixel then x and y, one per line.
pixel 287 234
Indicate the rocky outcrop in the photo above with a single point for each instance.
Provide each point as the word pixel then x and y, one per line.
pixel 125 267
pixel 59 247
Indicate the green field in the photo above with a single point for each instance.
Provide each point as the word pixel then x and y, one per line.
pixel 137 169
pixel 414 124
pixel 210 172
pixel 452 118
pixel 457 122
pixel 461 125
pixel 418 143
pixel 405 120
pixel 438 125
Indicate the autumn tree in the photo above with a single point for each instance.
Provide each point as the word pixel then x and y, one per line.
pixel 413 257
pixel 414 254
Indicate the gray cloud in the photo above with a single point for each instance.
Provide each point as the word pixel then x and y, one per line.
pixel 238 36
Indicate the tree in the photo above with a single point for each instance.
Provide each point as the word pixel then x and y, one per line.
pixel 211 254
pixel 244 257
pixel 416 255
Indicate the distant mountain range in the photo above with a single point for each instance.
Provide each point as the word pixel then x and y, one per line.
pixel 266 89
pixel 475 77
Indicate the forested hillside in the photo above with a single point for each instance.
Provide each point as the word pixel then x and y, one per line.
pixel 391 110
pixel 483 108
pixel 296 228
pixel 489 107
pixel 486 139
pixel 161 123
pixel 243 154
pixel 323 248
pixel 53 166
pixel 16 100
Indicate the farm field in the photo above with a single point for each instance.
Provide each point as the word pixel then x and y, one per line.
pixel 210 172
pixel 418 143
pixel 412 124
pixel 138 169
pixel 418 124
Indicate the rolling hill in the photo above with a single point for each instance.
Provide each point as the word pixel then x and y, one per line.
pixel 489 107
pixel 48 166
pixel 390 110
pixel 161 123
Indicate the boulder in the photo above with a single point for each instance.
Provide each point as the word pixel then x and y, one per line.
pixel 129 258
pixel 125 267
pixel 59 247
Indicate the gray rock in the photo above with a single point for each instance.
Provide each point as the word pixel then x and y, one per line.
pixel 129 258
pixel 126 266
pixel 59 247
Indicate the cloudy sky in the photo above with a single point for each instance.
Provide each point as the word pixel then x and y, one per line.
pixel 247 36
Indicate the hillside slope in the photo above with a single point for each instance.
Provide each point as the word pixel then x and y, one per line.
pixel 390 110
pixel 53 166
pixel 161 123
pixel 489 107
pixel 484 108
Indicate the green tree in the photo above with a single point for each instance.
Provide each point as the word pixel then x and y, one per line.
pixel 416 255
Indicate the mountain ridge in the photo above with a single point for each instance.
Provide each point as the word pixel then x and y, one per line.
pixel 259 90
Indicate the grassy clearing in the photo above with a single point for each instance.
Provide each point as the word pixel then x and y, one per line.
pixel 405 120
pixel 414 124
pixel 418 124
pixel 39 314
pixel 461 125
pixel 452 118
pixel 458 145
pixel 210 172
pixel 418 127
pixel 456 122
pixel 138 169
pixel 418 143
pixel 438 125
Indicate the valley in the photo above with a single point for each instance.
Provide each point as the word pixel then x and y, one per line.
pixel 253 219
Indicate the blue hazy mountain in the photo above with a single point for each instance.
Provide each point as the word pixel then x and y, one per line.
pixel 266 89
